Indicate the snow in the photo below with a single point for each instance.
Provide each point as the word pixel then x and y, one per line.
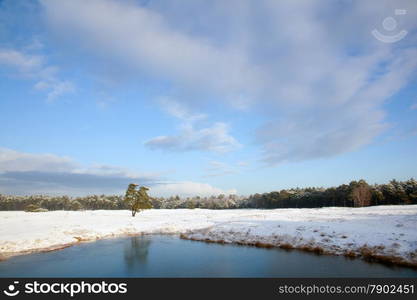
pixel 388 231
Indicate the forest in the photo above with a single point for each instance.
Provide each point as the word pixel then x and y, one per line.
pixel 355 194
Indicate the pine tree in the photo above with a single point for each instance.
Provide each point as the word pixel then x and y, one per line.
pixel 137 200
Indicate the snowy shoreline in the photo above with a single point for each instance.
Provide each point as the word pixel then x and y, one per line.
pixel 381 233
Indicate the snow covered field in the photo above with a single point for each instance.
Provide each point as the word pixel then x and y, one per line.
pixel 381 233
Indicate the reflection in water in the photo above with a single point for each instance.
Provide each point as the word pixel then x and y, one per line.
pixel 136 252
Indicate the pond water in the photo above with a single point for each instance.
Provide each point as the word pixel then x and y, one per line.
pixel 169 256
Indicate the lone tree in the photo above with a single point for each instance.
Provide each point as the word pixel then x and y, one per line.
pixel 137 200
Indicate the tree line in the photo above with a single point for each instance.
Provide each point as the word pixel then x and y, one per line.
pixel 355 194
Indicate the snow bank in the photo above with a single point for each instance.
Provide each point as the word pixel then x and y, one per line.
pixel 381 233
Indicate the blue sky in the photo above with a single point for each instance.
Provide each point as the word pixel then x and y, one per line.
pixel 205 97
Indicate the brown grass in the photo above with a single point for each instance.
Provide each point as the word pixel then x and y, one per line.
pixel 371 254
pixel 80 239
pixel 350 254
pixel 263 245
pixel 286 246
pixel 310 248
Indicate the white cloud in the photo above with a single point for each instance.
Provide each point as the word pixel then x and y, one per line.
pixel 217 168
pixel 35 44
pixel 33 67
pixel 19 60
pixel 145 41
pixel 188 189
pixel 320 78
pixel 215 138
pixel 316 137
pixel 340 127
pixel 179 111
pixel 26 173
pixel 242 164
pixel 55 88
pixel 14 161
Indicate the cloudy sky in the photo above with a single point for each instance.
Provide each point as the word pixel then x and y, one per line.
pixel 198 97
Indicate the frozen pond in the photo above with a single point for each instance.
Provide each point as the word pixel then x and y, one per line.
pixel 169 256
